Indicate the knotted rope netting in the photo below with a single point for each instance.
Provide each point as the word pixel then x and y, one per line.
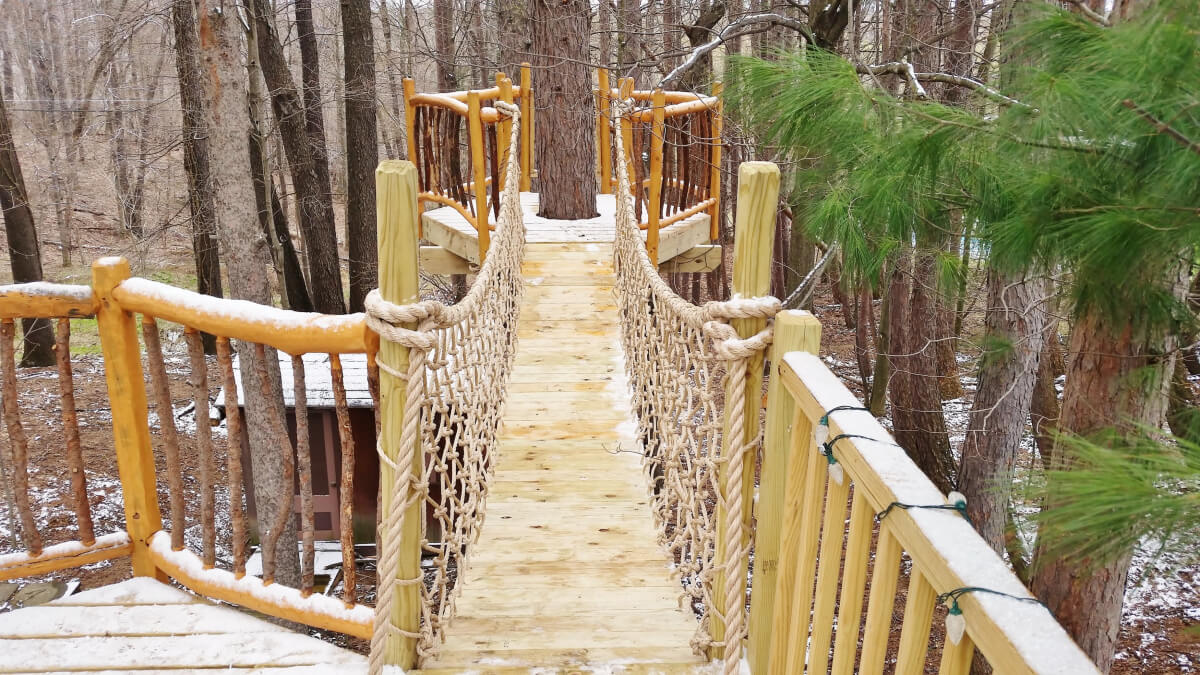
pixel 460 357
pixel 681 358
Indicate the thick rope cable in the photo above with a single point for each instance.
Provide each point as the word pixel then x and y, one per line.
pixel 680 357
pixel 459 360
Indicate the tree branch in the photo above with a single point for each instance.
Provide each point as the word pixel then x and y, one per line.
pixel 734 29
pixel 1091 13
pixel 906 70
pixel 1162 127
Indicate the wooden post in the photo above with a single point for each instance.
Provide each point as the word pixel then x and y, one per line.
pixel 714 181
pixel 131 425
pixel 410 128
pixel 479 172
pixel 794 331
pixel 754 235
pixel 625 89
pixel 396 190
pixel 658 102
pixel 604 129
pixel 504 130
pixel 526 128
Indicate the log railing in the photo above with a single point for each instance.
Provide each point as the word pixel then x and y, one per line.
pixel 673 146
pixel 31 550
pixel 823 516
pixel 468 177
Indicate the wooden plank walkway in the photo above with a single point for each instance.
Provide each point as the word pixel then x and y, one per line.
pixel 567 575
pixel 143 625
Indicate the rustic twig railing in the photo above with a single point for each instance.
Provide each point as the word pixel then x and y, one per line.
pixel 469 178
pixel 29 554
pixel 672 143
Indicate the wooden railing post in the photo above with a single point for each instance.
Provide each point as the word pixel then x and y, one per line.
pixel 794 331
pixel 625 90
pixel 410 128
pixel 603 129
pixel 396 192
pixel 504 129
pixel 654 209
pixel 754 232
pixel 130 420
pixel 714 184
pixel 526 128
pixel 479 172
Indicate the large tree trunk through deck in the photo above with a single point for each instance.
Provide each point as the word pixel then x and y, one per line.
pixel 248 261
pixel 1117 377
pixel 362 149
pixel 310 181
pixel 195 155
pixel 1016 322
pixel 24 253
pixel 566 137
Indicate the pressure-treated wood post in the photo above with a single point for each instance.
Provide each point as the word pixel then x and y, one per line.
pixel 130 420
pixel 604 129
pixel 410 128
pixel 479 171
pixel 504 129
pixel 754 234
pixel 526 128
pixel 794 331
pixel 396 219
pixel 658 102
pixel 714 181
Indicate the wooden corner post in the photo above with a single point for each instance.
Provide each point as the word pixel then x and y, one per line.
pixel 504 130
pixel 130 420
pixel 604 129
pixel 625 90
pixel 479 171
pixel 714 185
pixel 396 192
pixel 754 234
pixel 794 331
pixel 526 128
pixel 410 124
pixel 658 102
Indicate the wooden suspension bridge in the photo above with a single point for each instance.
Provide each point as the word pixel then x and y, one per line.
pixel 566 574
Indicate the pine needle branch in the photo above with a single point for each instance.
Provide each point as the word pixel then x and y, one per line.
pixel 1162 127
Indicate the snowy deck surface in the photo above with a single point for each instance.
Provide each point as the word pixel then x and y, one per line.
pixel 448 228
pixel 567 573
pixel 142 624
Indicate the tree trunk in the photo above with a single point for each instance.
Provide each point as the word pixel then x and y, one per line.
pixel 248 259
pixel 1044 409
pixel 918 421
pixel 443 27
pixel 24 253
pixel 195 155
pixel 310 86
pixel 566 139
pixel 629 41
pixel 309 180
pixel 362 149
pixel 1015 330
pixel 862 349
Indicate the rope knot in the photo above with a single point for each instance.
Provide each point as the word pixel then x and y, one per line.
pixel 764 307
pixel 507 108
pixel 388 319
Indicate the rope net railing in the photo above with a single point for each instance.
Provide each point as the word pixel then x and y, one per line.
pixel 460 357
pixel 688 369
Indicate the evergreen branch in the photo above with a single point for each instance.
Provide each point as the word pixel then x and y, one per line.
pixel 735 29
pixel 1162 127
pixel 902 68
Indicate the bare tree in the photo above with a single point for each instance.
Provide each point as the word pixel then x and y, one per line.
pixel 362 148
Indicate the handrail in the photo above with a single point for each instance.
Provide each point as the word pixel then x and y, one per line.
pixel 1014 636
pixel 286 330
pixel 42 300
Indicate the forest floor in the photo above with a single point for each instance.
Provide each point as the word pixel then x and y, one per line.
pixel 1162 605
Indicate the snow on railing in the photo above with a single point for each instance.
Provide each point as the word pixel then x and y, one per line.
pixel 829 479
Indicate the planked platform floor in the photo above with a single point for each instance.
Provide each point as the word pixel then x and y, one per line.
pixel 567 575
pixel 142 625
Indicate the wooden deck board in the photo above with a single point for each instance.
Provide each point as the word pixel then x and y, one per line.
pixel 567 572
pixel 146 626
